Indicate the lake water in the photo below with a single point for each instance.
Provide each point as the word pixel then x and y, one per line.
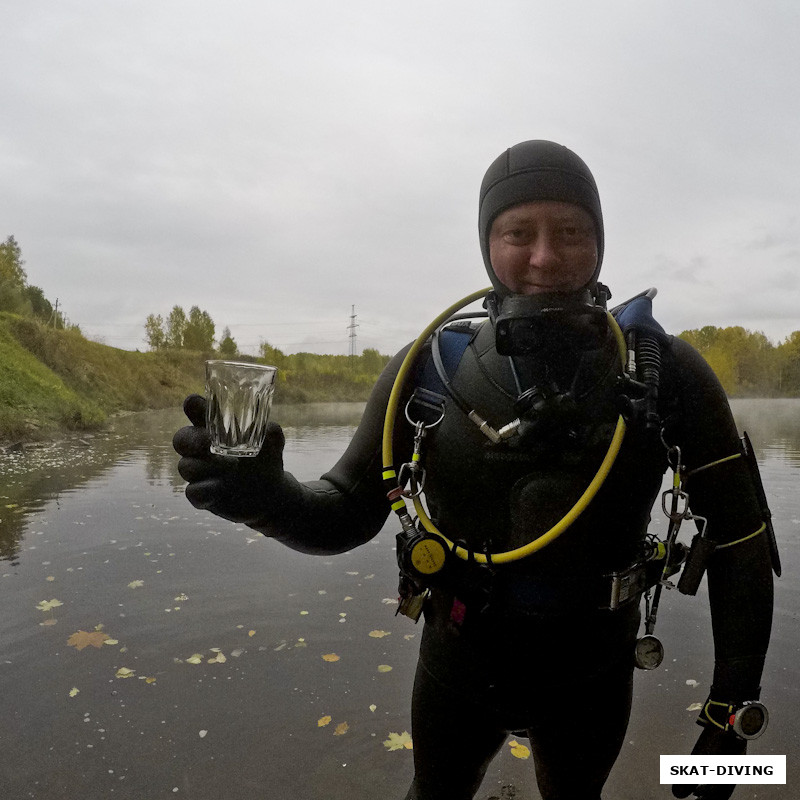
pixel 215 664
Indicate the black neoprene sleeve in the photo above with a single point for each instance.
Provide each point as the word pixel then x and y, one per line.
pixel 739 572
pixel 347 506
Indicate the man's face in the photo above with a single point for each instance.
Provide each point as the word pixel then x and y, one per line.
pixel 545 246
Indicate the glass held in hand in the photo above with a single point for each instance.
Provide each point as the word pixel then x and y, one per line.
pixel 238 402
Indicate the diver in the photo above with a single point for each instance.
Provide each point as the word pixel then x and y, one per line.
pixel 540 436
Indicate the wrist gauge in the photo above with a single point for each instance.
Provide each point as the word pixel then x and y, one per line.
pixel 749 720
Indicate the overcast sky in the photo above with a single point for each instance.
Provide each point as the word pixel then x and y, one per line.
pixel 276 163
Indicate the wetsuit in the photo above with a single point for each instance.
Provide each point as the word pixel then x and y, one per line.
pixel 533 646
pixel 510 663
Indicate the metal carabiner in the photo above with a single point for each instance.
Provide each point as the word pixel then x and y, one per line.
pixel 675 514
pixel 412 471
pixel 415 479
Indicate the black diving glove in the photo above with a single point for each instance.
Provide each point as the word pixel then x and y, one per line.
pixel 712 742
pixel 237 489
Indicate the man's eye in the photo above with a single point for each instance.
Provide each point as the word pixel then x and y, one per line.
pixel 574 233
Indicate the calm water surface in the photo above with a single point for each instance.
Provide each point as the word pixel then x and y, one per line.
pixel 256 672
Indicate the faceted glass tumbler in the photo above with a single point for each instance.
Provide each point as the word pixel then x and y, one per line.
pixel 238 402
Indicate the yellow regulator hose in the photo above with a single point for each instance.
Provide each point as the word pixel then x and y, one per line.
pixel 557 529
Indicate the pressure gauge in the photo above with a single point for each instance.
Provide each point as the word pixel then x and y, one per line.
pixel 649 652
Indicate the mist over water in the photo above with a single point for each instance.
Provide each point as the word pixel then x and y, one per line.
pixel 220 664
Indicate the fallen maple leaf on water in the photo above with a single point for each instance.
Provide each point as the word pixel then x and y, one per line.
pixel 399 741
pixel 81 639
pixel 323 721
pixel 49 605
pixel 341 729
pixel 519 750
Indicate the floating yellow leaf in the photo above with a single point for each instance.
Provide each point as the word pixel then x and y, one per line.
pixel 323 721
pixel 49 605
pixel 695 707
pixel 384 668
pixel 49 621
pixel 197 658
pixel 149 680
pixel 341 729
pixel 73 692
pixel 519 750
pixel 372 708
pixel 218 659
pixel 181 597
pixel 251 633
pixel 111 641
pixel 135 584
pixel 399 741
pixel 50 578
pixel 330 657
pixel 124 672
pixel 81 639
pixel 379 634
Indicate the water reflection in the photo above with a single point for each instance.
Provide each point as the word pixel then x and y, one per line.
pixel 40 473
pixel 773 427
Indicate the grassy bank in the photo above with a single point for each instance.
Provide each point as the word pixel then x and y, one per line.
pixel 56 380
pixel 52 380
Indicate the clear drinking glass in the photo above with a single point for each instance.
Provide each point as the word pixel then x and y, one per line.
pixel 238 402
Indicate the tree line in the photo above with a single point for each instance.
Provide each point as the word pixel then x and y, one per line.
pixel 747 363
pixel 17 295
pixel 308 375
pixel 182 331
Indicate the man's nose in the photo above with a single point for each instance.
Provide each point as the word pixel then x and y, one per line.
pixel 543 252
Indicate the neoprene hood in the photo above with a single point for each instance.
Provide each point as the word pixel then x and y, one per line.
pixel 531 171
